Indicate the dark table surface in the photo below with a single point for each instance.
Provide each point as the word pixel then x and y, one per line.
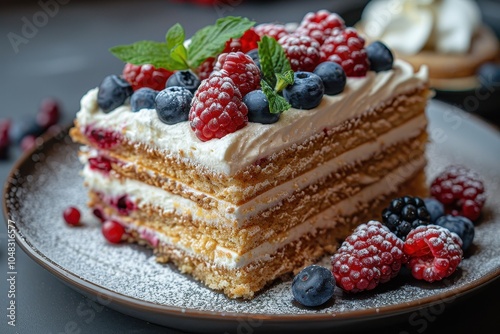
pixel 63 57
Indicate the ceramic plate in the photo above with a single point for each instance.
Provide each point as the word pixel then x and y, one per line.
pixel 127 278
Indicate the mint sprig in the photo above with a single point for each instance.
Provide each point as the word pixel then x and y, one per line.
pixel 173 55
pixel 277 73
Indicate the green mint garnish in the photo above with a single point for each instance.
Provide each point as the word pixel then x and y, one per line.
pixel 277 73
pixel 173 55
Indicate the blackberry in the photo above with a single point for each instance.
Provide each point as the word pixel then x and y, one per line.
pixel 405 214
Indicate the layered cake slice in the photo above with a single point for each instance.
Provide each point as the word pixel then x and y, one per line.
pixel 255 172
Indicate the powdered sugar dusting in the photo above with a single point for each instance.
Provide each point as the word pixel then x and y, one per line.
pixel 37 199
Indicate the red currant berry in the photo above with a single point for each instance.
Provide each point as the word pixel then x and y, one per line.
pixel 113 231
pixel 72 216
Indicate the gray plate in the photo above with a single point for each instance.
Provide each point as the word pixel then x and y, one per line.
pixel 127 278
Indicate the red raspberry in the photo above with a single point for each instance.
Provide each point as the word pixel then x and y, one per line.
pixel 147 75
pixel 48 114
pixel 4 138
pixel 347 48
pixel 275 31
pixel 369 256
pixel 217 108
pixel 242 70
pixel 433 251
pixel 461 191
pixel 206 68
pixel 248 41
pixel 320 25
pixel 302 51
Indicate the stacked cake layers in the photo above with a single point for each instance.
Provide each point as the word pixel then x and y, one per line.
pixel 240 211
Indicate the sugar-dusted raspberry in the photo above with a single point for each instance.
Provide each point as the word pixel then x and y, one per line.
pixel 369 256
pixel 206 68
pixel 241 69
pixel 217 108
pixel 461 190
pixel 320 25
pixel 147 75
pixel 302 51
pixel 346 48
pixel 273 30
pixel 248 41
pixel 433 252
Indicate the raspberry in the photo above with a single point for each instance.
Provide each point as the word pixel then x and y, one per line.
pixel 346 48
pixel 275 31
pixel 320 25
pixel 242 70
pixel 48 114
pixel 433 251
pixel 205 69
pixel 217 108
pixel 369 256
pixel 146 75
pixel 302 51
pixel 461 191
pixel 248 41
pixel 405 214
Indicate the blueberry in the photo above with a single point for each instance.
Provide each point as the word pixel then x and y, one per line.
pixel 435 208
pixel 143 98
pixel 462 226
pixel 173 104
pixel 113 91
pixel 258 108
pixel 313 286
pixel 489 75
pixel 380 57
pixel 186 79
pixel 254 54
pixel 333 77
pixel 306 92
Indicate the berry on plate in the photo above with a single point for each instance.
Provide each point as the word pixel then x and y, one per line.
pixel 72 216
pixel 258 108
pixel 313 286
pixel 146 75
pixel 435 208
pixel 113 91
pixel 48 114
pixel 143 98
pixel 404 214
pixel 113 231
pixel 372 254
pixel 379 56
pixel 241 69
pixel 211 120
pixel 333 77
pixel 462 226
pixel 306 91
pixel 433 252
pixel 186 79
pixel 173 104
pixel 302 51
pixel 461 190
pixel 347 48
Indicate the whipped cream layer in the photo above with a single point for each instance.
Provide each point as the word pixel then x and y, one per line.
pixel 410 26
pixel 264 252
pixel 240 149
pixel 241 213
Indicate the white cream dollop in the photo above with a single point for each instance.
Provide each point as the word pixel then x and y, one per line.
pixel 410 26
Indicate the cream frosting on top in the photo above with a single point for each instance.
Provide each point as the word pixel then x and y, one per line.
pixel 410 26
pixel 237 150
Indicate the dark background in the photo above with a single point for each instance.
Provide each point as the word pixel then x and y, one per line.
pixel 68 55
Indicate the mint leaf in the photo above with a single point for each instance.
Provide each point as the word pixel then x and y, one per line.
pixel 210 41
pixel 272 59
pixel 175 36
pixel 283 80
pixel 277 104
pixel 144 52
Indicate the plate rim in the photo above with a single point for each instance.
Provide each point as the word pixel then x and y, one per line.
pixel 93 289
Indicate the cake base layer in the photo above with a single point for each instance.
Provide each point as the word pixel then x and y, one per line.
pixel 247 280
